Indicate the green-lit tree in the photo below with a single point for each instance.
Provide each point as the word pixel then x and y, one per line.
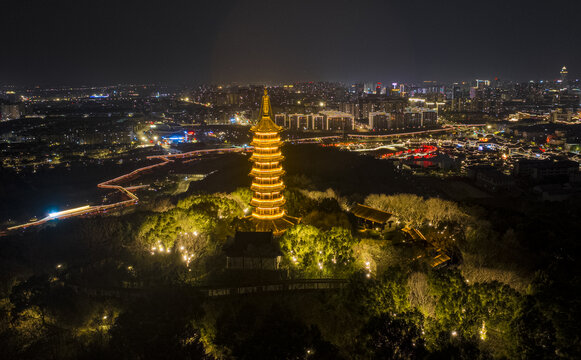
pixel 370 296
pixel 316 252
pixel 302 245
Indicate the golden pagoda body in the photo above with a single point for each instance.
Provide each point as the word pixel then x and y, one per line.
pixel 268 200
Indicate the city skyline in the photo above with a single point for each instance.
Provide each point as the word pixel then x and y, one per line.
pixel 70 43
pixel 280 83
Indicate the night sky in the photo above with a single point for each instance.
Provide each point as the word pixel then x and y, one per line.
pixel 52 42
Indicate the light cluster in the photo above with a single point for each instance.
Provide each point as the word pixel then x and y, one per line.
pixel 187 255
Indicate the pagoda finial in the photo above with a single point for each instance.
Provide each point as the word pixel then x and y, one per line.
pixel 266 116
pixel 266 110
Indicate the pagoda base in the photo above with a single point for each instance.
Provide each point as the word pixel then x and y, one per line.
pixel 277 226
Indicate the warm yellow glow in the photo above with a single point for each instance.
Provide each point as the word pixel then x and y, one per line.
pixel 267 155
pixel 267 208
pixel 267 170
pixel 267 201
pixel 265 134
pixel 268 217
pixel 66 212
pixel 277 139
pixel 483 331
pixel 267 186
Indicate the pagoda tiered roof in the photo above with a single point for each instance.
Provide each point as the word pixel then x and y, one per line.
pixel 268 201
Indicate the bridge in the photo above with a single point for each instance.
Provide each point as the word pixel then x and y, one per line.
pixel 311 140
pixel 446 128
pixel 283 286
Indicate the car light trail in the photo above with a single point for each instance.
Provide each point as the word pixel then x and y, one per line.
pixel 67 212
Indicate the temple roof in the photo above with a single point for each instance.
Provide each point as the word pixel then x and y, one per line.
pixel 369 213
pixel 253 244
pixel 277 226
pixel 265 119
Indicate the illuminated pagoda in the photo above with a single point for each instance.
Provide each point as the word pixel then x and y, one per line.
pixel 268 201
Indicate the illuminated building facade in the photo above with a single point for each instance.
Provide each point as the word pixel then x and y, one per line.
pixel 268 201
pixel 380 120
pixel 337 120
pixel 10 111
pixel 564 73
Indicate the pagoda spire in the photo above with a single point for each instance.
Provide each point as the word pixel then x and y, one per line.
pixel 266 108
pixel 266 117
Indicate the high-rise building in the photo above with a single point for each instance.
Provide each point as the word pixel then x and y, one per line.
pixel 564 74
pixel 337 120
pixel 316 121
pixel 366 108
pixel 297 122
pixel 351 108
pixel 379 120
pixel 482 83
pixel 412 118
pixel 369 87
pixel 268 201
pixel 356 89
pixel 10 112
pixel 280 119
